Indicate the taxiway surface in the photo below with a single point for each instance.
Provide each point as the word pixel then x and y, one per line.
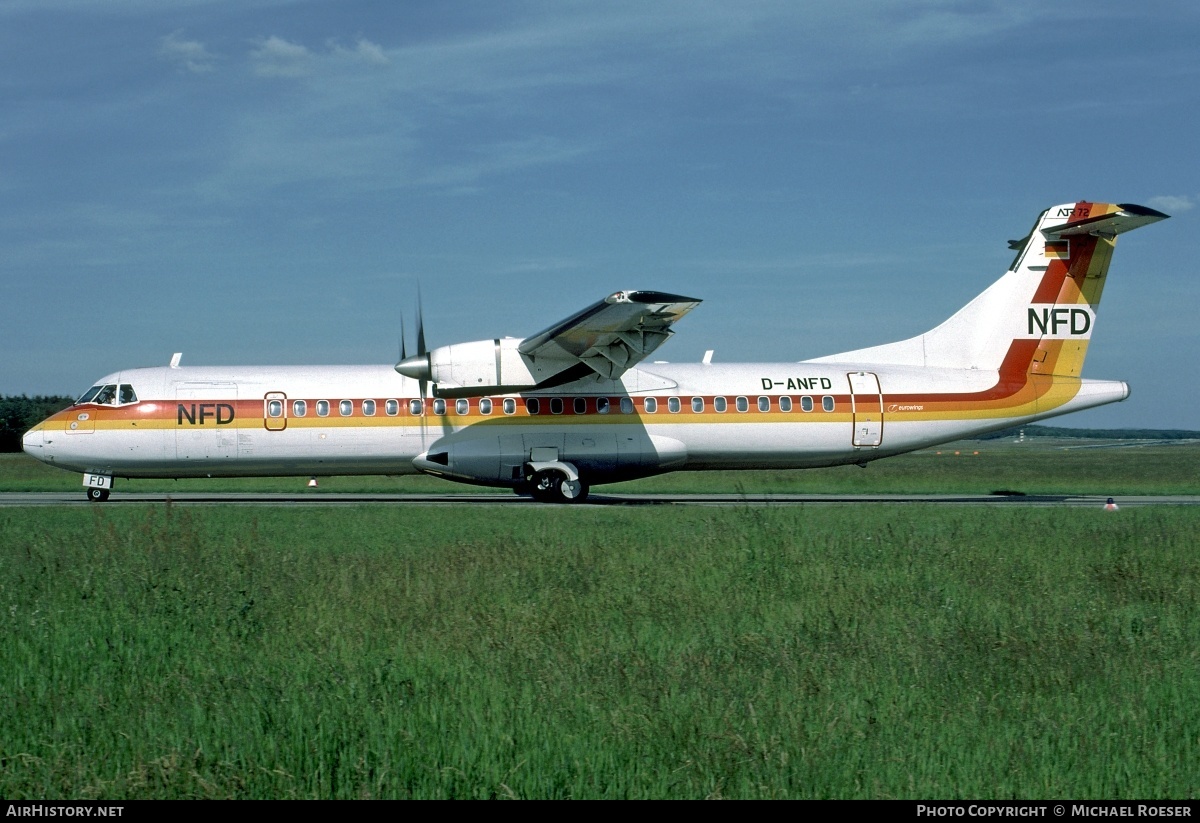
pixel 11 499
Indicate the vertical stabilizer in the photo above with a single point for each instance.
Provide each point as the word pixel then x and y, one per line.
pixel 1039 316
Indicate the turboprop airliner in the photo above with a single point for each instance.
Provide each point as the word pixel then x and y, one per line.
pixel 577 405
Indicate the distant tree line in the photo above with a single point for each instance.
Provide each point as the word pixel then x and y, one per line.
pixel 20 414
pixel 1092 434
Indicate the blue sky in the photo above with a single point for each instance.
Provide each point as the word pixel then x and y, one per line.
pixel 268 181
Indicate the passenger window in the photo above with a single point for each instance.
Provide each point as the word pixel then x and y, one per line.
pixel 299 408
pixel 742 404
pixel 601 405
pixel 346 408
pixel 827 403
pixel 369 408
pixel 533 405
pixel 806 403
pixel 322 408
pixel 439 406
pixel 764 404
pixel 580 405
pixel 720 404
pixel 462 406
pixel 391 407
pixel 416 407
pixel 510 405
pixel 785 404
pixel 485 405
pixel 698 404
pixel 127 394
pixel 556 405
pixel 673 405
pixel 651 405
pixel 274 408
pixel 626 405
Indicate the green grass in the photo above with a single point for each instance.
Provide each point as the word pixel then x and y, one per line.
pixel 403 651
pixel 965 468
pixel 979 467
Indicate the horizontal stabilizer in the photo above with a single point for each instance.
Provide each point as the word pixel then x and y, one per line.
pixel 1127 218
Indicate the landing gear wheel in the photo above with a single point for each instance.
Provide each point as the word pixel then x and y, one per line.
pixel 552 486
pixel 546 486
pixel 97 495
pixel 573 491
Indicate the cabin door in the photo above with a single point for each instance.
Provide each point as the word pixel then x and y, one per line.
pixel 867 404
pixel 275 411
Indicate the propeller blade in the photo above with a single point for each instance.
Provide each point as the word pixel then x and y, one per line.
pixel 418 366
pixel 421 350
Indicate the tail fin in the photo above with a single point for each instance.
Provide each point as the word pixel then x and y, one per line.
pixel 1039 316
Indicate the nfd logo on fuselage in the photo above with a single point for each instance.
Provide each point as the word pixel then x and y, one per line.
pixel 198 414
pixel 1059 321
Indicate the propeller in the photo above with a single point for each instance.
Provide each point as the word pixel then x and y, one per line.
pixel 418 366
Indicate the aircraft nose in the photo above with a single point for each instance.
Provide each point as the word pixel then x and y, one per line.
pixel 33 441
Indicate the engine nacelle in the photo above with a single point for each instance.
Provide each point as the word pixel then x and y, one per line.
pixel 482 367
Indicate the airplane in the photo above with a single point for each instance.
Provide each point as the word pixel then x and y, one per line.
pixel 577 405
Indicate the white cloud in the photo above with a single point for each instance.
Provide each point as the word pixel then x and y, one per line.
pixel 1171 203
pixel 276 57
pixel 190 55
pixel 368 52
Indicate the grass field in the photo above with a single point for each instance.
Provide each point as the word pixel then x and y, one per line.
pixel 901 651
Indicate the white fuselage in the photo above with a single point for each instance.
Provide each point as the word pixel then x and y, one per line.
pixel 326 420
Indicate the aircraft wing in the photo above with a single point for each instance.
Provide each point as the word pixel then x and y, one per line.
pixel 612 335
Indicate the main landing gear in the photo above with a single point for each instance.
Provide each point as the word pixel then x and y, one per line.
pixel 554 486
pixel 97 495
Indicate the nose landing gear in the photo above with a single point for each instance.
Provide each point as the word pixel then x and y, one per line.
pixel 97 486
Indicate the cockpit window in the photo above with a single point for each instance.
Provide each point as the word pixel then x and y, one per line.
pixel 110 394
pixel 88 395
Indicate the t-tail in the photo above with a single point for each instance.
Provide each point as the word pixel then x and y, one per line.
pixel 1033 325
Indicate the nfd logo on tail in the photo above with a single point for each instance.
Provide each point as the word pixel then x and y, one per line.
pixel 579 404
pixel 1056 321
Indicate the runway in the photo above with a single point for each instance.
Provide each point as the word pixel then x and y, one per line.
pixel 73 499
